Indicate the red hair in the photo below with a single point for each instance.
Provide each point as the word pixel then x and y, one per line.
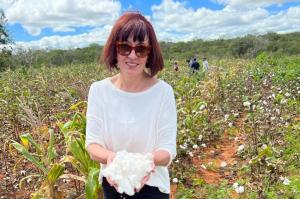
pixel 136 25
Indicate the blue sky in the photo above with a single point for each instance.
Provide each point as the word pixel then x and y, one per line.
pixel 71 24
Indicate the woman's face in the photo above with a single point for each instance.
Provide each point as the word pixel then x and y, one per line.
pixel 133 61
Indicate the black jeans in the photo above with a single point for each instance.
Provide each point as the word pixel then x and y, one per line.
pixel 147 192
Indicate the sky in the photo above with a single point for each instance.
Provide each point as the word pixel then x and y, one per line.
pixel 66 24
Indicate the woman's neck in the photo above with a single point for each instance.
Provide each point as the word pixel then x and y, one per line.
pixel 131 84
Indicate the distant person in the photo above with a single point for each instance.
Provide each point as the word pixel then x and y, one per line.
pixel 205 64
pixel 191 62
pixel 195 65
pixel 175 66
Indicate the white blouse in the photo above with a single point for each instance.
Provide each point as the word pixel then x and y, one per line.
pixel 138 122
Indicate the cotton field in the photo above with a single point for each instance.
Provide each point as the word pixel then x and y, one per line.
pixel 238 131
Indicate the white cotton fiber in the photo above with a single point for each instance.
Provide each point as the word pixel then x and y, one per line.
pixel 128 170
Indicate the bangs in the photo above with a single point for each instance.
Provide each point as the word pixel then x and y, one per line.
pixel 136 28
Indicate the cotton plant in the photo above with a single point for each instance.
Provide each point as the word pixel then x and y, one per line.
pixel 285 180
pixel 247 104
pixel 200 137
pixel 223 164
pixel 175 180
pixel 240 148
pixel 238 188
pixel 190 154
pixel 128 170
pixel 226 117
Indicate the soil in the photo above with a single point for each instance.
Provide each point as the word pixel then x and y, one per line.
pixel 208 161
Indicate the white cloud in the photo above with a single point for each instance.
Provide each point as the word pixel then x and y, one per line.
pixel 98 36
pixel 252 3
pixel 61 15
pixel 171 16
pixel 173 20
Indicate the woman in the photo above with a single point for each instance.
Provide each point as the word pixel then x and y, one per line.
pixel 133 110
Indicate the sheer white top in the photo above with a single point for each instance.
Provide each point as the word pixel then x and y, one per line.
pixel 138 122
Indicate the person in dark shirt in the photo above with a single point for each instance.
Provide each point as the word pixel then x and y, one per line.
pixel 195 65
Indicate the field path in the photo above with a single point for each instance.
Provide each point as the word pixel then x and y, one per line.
pixel 219 160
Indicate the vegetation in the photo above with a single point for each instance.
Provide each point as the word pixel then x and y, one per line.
pixel 248 46
pixel 251 95
pixel 43 128
pixel 5 51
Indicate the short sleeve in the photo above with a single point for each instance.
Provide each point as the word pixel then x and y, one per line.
pixel 94 126
pixel 167 125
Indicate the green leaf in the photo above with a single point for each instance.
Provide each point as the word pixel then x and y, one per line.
pixel 25 142
pixel 78 151
pixel 29 156
pixel 92 184
pixel 54 173
pixel 76 106
pixel 25 138
pixel 51 150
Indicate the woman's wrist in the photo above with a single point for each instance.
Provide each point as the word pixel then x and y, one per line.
pixel 110 156
pixel 161 157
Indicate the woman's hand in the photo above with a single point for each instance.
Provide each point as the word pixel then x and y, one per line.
pixel 110 158
pixel 146 177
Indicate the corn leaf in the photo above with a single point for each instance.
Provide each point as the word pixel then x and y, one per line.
pixel 29 156
pixel 79 153
pixel 54 173
pixel 51 150
pixel 25 142
pixel 28 138
pixel 76 106
pixel 92 184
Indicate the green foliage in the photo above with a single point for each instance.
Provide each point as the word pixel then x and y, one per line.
pixel 92 184
pixel 207 106
pixel 5 51
pixel 74 134
pixel 29 156
pixel 249 46
pixel 44 161
pixel 186 193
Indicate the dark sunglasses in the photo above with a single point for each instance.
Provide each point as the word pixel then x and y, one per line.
pixel 125 49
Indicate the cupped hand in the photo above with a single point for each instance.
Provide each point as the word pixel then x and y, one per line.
pixel 110 158
pixel 146 177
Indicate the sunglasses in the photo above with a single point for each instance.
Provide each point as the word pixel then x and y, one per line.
pixel 125 49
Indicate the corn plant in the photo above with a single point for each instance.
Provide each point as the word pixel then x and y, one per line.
pixel 43 158
pixel 76 154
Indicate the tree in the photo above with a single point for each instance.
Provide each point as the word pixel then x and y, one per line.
pixel 5 40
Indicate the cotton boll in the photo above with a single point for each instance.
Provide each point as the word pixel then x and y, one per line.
pixel 200 137
pixel 128 170
pixel 286 181
pixel 240 189
pixel 240 148
pixel 247 104
pixel 175 180
pixel 202 107
pixel 235 185
pixel 223 164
